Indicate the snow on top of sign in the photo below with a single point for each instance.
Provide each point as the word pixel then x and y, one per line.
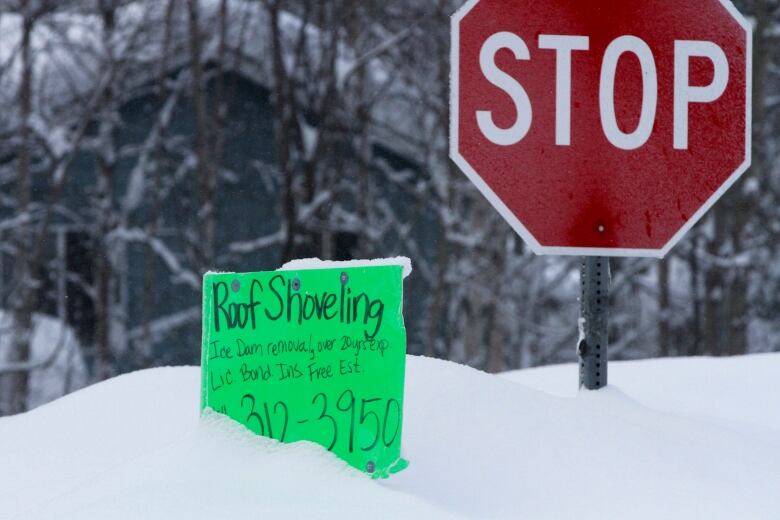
pixel 316 263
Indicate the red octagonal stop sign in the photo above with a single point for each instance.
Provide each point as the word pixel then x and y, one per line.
pixel 601 128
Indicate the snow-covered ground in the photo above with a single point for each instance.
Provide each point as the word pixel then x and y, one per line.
pixel 742 392
pixel 671 439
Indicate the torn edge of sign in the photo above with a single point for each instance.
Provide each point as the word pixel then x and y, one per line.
pixel 316 263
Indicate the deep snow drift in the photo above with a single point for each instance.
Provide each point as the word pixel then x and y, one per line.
pixel 672 439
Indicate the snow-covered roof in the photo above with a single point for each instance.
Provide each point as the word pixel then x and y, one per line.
pixel 68 52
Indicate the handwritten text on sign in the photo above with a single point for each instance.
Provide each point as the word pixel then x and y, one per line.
pixel 313 355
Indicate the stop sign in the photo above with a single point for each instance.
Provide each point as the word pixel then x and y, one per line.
pixel 601 128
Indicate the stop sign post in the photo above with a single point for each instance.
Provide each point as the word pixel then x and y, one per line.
pixel 601 129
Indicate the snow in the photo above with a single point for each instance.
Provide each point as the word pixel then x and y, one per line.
pixel 315 263
pixel 739 392
pixel 133 447
pixel 55 354
pixel 673 439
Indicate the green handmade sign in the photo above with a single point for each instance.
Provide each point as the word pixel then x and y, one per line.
pixel 315 355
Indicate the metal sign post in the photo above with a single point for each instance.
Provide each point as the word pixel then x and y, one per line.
pixel 594 322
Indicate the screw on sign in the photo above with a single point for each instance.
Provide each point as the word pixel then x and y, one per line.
pixel 598 128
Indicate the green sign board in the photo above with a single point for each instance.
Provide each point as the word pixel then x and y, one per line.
pixel 310 355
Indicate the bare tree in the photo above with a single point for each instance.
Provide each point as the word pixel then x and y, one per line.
pixel 23 303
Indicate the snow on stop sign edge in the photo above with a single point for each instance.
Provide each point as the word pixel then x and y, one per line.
pixel 518 226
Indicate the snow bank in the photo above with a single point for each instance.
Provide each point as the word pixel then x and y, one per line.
pixel 742 392
pixel 491 448
pixel 480 446
pixel 133 447
pixel 221 470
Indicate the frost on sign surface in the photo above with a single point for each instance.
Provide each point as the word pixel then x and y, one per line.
pixel 310 354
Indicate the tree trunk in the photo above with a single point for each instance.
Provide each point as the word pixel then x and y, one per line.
pixel 437 295
pixel 714 332
pixel 283 113
pixel 155 204
pixel 663 308
pixel 205 212
pixel 695 347
pixel 747 201
pixel 105 215
pixel 436 310
pixel 15 387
